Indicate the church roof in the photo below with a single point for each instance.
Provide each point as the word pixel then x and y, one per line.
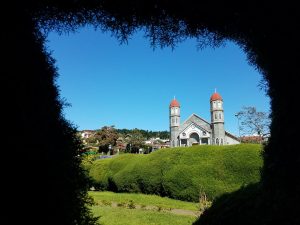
pixel 196 125
pixel 194 118
pixel 174 103
pixel 232 136
pixel 216 96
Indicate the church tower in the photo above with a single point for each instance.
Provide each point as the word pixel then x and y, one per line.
pixel 174 116
pixel 217 119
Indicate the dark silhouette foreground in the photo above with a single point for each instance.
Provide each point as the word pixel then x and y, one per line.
pixel 42 173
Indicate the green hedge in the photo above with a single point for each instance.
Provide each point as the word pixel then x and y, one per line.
pixel 181 173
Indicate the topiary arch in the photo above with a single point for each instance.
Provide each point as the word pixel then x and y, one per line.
pixel 43 146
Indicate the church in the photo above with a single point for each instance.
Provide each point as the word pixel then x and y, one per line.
pixel 197 131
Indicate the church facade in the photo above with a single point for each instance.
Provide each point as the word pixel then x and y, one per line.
pixel 197 131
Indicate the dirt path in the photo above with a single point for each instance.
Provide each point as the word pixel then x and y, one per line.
pixel 185 212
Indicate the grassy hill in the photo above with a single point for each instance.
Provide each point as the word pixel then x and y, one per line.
pixel 181 173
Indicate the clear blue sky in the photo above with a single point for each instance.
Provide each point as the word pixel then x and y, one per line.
pixel 131 85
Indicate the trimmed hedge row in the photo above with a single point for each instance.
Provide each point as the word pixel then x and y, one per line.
pixel 181 173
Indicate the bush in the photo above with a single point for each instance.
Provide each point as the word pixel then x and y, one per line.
pixel 131 205
pixel 181 173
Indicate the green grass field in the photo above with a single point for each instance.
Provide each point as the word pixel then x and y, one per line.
pixel 121 214
pixel 142 199
pixel 181 173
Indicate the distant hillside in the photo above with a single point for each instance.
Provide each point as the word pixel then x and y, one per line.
pixel 147 134
pixel 181 173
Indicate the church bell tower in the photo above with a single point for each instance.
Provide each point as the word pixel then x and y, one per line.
pixel 217 119
pixel 174 117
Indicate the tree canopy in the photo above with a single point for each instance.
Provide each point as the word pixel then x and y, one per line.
pixel 253 122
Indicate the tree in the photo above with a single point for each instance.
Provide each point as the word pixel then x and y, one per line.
pixel 106 136
pixel 253 122
pixel 91 141
pixel 136 141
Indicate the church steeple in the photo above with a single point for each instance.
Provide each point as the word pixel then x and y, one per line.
pixel 174 117
pixel 217 119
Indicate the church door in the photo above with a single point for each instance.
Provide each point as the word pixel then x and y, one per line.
pixel 194 139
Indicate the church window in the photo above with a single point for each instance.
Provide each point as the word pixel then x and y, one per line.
pixel 204 133
pixel 216 116
pixel 176 119
pixel 221 141
pixel 217 141
pixel 172 120
pixel 219 115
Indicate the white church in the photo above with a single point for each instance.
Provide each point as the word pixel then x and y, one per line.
pixel 197 131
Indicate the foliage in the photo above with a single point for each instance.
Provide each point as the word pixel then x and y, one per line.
pixel 146 134
pixel 88 159
pixel 48 146
pixel 253 122
pixel 131 205
pixel 204 203
pixel 135 141
pixel 181 173
pixel 92 141
pixel 251 205
pixel 106 136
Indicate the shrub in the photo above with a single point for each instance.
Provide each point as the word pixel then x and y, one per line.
pixel 131 205
pixel 121 204
pixel 106 203
pixel 181 173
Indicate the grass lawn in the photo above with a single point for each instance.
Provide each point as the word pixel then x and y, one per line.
pixel 123 216
pixel 142 199
pixel 113 209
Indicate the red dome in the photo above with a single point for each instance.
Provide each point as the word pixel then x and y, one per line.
pixel 216 96
pixel 174 103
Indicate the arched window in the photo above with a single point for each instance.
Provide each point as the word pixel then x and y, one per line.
pixel 221 141
pixel 219 115
pixel 216 116
pixel 176 119
pixel 217 141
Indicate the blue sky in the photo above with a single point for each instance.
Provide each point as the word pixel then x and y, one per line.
pixel 131 85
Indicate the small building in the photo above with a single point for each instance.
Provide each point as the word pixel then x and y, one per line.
pixel 86 133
